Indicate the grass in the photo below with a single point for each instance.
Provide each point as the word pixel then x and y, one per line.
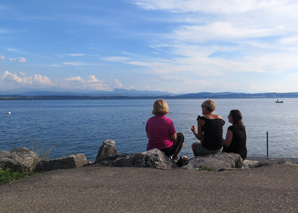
pixel 43 155
pixel 206 168
pixel 7 176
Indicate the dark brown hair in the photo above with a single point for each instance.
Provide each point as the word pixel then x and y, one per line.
pixel 237 119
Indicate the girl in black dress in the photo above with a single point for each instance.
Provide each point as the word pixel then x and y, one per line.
pixel 236 135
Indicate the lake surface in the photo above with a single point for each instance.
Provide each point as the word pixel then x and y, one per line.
pixel 80 126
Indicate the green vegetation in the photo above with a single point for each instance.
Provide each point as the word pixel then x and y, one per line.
pixel 206 168
pixel 7 176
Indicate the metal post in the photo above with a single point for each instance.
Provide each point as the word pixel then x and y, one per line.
pixel 267 137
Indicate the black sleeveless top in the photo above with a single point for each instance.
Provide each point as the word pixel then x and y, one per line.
pixel 212 133
pixel 238 143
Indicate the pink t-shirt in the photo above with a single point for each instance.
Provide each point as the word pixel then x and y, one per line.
pixel 160 128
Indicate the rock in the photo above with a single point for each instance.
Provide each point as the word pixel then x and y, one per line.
pixel 247 164
pixel 108 149
pixel 72 161
pixel 19 159
pixel 216 162
pixel 153 158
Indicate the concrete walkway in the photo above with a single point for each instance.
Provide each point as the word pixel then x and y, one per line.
pixel 106 189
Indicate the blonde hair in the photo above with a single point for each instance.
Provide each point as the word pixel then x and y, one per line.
pixel 209 103
pixel 160 107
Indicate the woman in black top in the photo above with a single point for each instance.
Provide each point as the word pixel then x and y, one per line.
pixel 236 135
pixel 210 129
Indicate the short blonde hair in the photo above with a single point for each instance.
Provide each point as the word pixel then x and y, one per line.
pixel 209 103
pixel 160 107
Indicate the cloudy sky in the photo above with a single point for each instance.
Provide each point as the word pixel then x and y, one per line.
pixel 179 46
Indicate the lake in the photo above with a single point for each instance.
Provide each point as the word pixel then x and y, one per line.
pixel 80 126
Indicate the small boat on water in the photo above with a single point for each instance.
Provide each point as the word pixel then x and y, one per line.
pixel 278 101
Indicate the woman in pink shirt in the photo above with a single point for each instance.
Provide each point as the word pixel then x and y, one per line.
pixel 161 131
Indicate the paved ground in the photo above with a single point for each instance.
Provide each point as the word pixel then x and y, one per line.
pixel 105 189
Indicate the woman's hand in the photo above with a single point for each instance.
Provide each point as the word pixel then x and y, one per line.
pixel 193 129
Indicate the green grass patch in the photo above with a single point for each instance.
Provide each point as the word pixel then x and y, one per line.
pixel 207 168
pixel 7 176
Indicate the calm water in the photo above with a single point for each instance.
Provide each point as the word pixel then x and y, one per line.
pixel 80 126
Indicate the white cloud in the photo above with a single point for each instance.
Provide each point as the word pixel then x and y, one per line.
pixel 14 50
pixel 20 79
pixel 91 83
pixel 79 64
pixel 2 57
pixel 77 78
pixel 42 80
pixel 93 79
pixel 74 63
pixel 21 73
pixel 22 60
pixel 117 83
pixel 210 6
pixel 75 54
pixel 7 76
pixel 117 59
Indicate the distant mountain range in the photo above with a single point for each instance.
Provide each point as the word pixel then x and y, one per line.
pixel 23 94
pixel 123 93
pixel 239 95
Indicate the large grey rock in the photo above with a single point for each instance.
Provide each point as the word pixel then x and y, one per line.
pixel 153 158
pixel 216 162
pixel 247 164
pixel 72 161
pixel 108 149
pixel 19 159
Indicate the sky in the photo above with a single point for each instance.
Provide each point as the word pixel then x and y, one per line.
pixel 178 46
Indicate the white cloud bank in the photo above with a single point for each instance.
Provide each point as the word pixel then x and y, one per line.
pixel 21 59
pixel 92 83
pixel 20 79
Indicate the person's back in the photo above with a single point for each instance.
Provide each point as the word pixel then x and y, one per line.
pixel 213 130
pixel 238 143
pixel 160 128
pixel 236 135
pixel 161 132
pixel 210 129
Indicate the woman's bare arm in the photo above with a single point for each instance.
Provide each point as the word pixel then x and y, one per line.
pixel 229 137
pixel 199 134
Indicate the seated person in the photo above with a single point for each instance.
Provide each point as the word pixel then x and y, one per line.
pixel 161 132
pixel 236 135
pixel 210 130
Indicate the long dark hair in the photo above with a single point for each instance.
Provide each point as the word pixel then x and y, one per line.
pixel 237 119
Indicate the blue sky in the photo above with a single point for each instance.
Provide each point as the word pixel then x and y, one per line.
pixel 179 46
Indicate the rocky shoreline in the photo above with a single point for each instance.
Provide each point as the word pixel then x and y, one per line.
pixel 23 159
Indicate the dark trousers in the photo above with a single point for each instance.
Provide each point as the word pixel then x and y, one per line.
pixel 176 147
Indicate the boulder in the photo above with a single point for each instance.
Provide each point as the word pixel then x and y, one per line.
pixel 153 158
pixel 19 159
pixel 216 162
pixel 108 149
pixel 72 161
pixel 247 164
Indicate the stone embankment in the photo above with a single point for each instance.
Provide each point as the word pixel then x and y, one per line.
pixel 23 159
